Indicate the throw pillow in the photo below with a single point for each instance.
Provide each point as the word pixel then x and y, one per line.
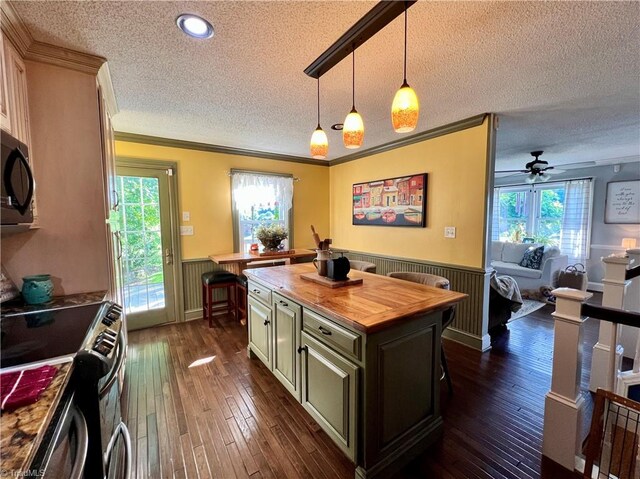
pixel 532 258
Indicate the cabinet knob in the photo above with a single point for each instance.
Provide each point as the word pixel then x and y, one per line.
pixel 266 321
pixel 302 348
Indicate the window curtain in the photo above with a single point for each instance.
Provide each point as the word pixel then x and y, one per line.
pixel 576 221
pixel 495 222
pixel 249 190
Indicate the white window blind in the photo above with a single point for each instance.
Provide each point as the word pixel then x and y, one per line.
pixel 576 221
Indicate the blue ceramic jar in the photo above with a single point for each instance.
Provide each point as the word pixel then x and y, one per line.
pixel 37 289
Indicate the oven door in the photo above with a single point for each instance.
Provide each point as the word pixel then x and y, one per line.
pixel 67 452
pixel 114 433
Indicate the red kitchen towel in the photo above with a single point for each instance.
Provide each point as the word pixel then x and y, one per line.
pixel 21 388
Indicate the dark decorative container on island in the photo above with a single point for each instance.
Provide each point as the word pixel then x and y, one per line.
pixel 37 289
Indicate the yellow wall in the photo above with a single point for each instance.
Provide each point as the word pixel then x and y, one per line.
pixel 456 167
pixel 205 191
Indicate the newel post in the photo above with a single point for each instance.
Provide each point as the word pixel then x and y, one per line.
pixel 604 360
pixel 564 404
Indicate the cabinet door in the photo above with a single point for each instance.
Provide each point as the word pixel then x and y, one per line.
pixel 5 121
pixel 260 330
pixel 330 392
pixel 286 340
pixel 18 106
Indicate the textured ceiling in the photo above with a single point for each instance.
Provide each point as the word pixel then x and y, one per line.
pixel 564 76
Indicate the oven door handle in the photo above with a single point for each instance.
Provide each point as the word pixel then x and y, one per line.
pixel 113 376
pixel 83 444
pixel 121 429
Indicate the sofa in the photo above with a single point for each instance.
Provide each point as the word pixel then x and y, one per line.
pixel 505 259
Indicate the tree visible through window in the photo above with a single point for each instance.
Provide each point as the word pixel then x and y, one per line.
pixel 260 199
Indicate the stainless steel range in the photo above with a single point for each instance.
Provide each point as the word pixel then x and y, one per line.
pixel 88 421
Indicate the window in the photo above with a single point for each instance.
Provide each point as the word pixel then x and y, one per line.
pixel 557 214
pixel 259 198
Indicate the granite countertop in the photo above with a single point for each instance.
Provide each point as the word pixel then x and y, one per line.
pixel 21 430
pixel 376 304
pixel 19 306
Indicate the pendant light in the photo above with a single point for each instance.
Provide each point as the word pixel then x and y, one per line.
pixel 319 143
pixel 353 130
pixel 405 107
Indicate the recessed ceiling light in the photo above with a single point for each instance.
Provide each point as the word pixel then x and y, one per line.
pixel 194 26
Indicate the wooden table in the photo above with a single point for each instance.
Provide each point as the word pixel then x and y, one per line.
pixel 237 262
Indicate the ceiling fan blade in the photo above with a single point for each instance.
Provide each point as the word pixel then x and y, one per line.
pixel 504 174
pixel 513 171
pixel 554 172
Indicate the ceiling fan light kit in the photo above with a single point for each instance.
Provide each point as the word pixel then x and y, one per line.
pixel 405 107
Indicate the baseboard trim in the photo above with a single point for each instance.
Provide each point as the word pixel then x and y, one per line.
pixel 481 343
pixel 193 314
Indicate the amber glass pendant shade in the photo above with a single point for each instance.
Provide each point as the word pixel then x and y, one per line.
pixel 353 130
pixel 405 109
pixel 319 144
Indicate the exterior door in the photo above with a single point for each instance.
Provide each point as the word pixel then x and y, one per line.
pixel 147 245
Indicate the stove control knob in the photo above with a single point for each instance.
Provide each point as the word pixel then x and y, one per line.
pixel 102 349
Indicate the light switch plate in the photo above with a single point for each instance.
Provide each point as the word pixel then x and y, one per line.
pixel 186 230
pixel 186 216
pixel 449 231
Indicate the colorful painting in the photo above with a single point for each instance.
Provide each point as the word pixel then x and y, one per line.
pixel 398 201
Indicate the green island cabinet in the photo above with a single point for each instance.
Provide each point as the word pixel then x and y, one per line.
pixel 375 393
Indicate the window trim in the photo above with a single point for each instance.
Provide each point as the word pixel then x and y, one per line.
pixel 534 187
pixel 234 213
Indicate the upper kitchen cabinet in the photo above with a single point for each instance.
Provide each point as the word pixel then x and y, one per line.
pixel 5 122
pixel 15 105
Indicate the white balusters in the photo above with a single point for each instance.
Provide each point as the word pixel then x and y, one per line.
pixel 564 403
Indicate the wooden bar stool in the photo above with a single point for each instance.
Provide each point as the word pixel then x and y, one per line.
pixel 241 299
pixel 218 280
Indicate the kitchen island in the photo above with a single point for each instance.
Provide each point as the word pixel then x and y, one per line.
pixel 363 360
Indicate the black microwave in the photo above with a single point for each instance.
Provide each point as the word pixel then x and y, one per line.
pixel 17 182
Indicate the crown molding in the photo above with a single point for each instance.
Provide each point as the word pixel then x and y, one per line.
pixel 410 140
pixel 14 29
pixel 64 57
pixel 18 34
pixel 192 145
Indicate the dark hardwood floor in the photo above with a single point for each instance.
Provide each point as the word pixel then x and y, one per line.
pixel 230 418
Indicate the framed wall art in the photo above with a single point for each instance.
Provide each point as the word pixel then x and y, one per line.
pixel 622 204
pixel 400 201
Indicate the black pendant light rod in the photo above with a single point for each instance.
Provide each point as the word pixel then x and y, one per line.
pixel 405 46
pixel 372 22
pixel 353 79
pixel 318 103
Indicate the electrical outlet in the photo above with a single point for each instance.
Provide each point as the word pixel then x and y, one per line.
pixel 449 231
pixel 186 216
pixel 186 230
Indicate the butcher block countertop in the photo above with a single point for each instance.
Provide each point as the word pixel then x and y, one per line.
pixel 22 429
pixel 376 304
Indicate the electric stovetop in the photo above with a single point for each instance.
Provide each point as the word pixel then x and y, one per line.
pixel 43 335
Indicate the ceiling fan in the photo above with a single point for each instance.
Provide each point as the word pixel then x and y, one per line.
pixel 537 169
